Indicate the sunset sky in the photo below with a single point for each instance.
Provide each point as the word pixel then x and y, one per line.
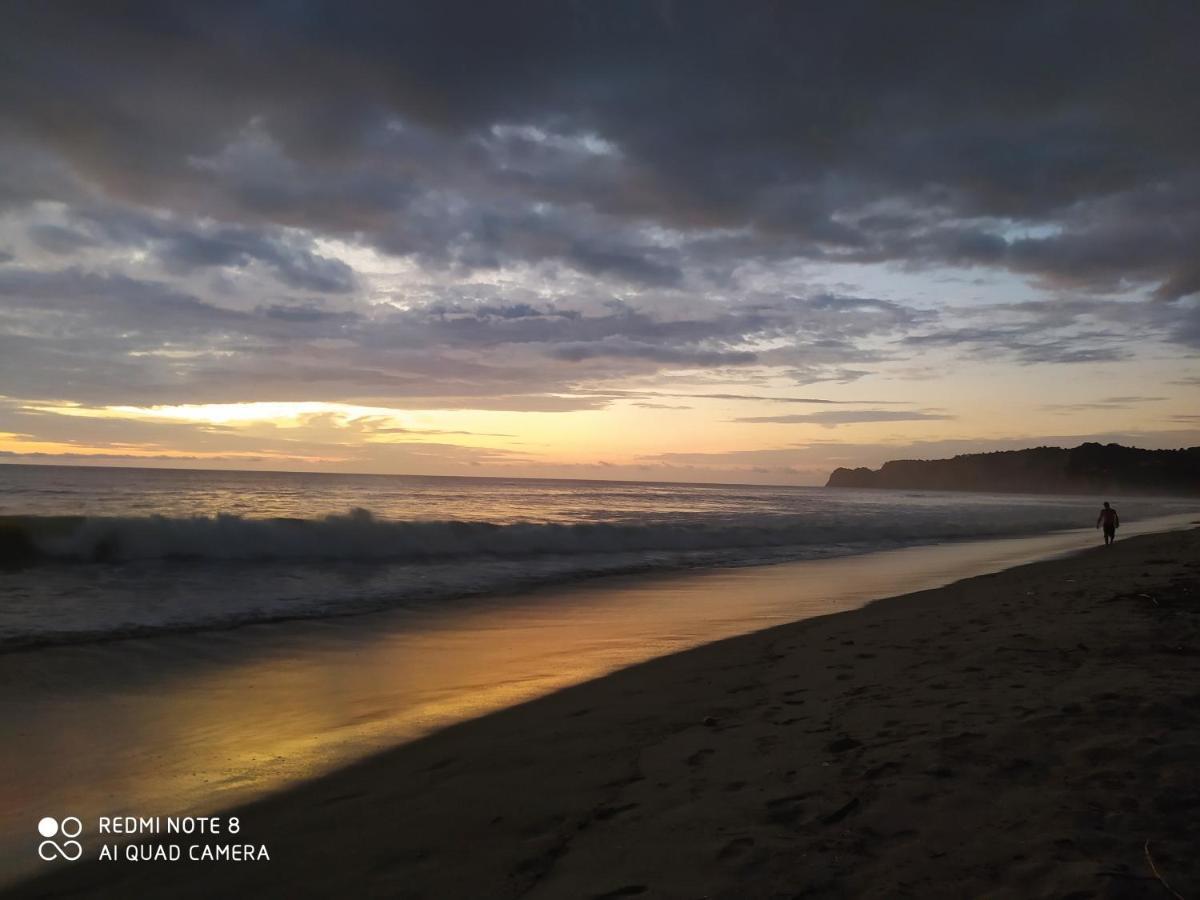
pixel 681 241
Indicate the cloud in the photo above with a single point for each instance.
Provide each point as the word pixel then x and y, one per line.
pixel 621 348
pixel 792 132
pixel 834 418
pixel 121 339
pixel 59 240
pixel 340 438
pixel 757 398
pixel 1061 331
pixel 812 461
pixel 1106 403
pixel 182 247
pixel 561 206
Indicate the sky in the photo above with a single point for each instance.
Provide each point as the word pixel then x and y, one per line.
pixel 686 241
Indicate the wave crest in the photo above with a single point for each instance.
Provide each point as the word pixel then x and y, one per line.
pixel 361 536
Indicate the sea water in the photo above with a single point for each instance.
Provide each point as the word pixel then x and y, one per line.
pixel 98 553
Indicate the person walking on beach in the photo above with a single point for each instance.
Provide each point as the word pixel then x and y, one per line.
pixel 1111 522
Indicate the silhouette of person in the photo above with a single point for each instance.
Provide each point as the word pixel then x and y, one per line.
pixel 1111 522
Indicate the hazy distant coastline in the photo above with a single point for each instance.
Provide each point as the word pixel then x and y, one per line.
pixel 1110 469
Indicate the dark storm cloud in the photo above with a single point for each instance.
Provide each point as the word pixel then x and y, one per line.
pixel 1185 328
pixel 124 304
pixel 462 129
pixel 296 268
pixel 643 173
pixel 183 247
pixel 1068 330
pixel 1142 234
pixel 57 239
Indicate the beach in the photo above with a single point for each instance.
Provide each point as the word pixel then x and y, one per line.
pixel 599 450
pixel 1025 733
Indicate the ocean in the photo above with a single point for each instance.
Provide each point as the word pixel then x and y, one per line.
pixel 98 553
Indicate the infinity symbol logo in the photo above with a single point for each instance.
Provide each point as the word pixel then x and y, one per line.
pixel 70 827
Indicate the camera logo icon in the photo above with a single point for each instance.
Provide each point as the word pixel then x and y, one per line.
pixel 68 829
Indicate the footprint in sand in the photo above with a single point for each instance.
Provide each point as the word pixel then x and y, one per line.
pixel 843 744
pixel 785 810
pixel 887 768
pixel 604 813
pixel 736 847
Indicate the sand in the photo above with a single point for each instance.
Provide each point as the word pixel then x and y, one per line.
pixel 196 723
pixel 1014 735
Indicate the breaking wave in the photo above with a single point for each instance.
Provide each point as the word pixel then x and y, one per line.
pixel 66 579
pixel 360 536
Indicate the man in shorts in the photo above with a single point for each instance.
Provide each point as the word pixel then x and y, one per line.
pixel 1111 522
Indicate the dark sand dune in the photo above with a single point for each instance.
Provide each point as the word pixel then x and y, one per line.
pixel 1014 735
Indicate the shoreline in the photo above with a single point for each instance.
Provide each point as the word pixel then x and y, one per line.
pixel 781 759
pixel 577 581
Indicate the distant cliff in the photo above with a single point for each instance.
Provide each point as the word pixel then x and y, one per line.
pixel 1088 468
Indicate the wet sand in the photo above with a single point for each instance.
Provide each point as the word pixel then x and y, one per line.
pixel 1012 735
